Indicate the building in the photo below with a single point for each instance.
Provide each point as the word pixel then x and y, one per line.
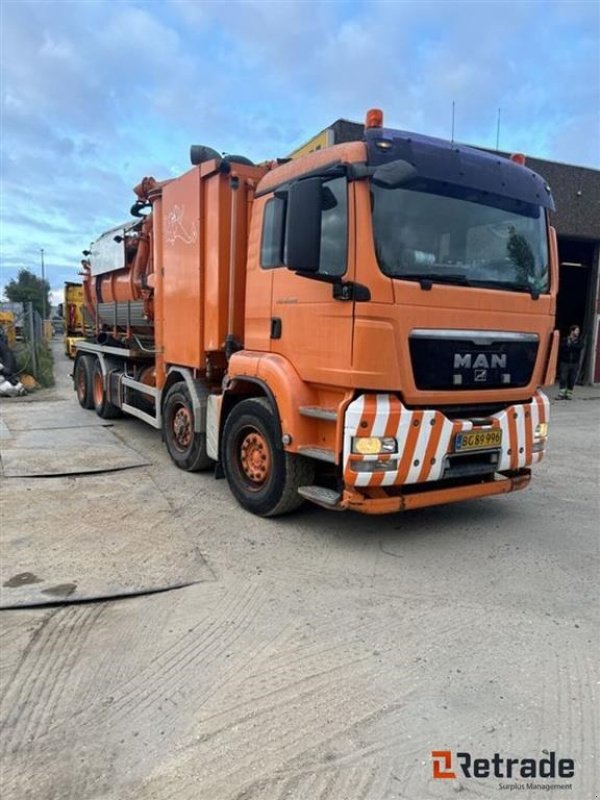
pixel 576 192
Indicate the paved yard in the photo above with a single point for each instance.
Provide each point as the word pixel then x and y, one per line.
pixel 317 656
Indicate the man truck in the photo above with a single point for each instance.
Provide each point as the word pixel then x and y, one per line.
pixel 367 326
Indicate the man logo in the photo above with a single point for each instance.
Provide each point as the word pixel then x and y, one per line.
pixel 487 361
pixel 442 764
pixel 480 375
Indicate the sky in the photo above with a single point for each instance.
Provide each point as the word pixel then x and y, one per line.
pixel 96 95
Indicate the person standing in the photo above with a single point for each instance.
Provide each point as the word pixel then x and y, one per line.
pixel 568 362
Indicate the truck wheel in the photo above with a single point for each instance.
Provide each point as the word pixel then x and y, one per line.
pixel 186 447
pixel 104 408
pixel 262 476
pixel 83 379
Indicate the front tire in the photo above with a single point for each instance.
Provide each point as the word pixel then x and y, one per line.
pixel 186 447
pixel 262 476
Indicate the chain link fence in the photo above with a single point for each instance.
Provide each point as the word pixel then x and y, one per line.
pixel 33 337
pixel 25 344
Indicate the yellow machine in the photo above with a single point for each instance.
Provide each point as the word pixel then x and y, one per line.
pixel 7 323
pixel 73 317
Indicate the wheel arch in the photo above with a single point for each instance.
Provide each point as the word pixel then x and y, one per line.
pixel 198 392
pixel 280 382
pixel 242 388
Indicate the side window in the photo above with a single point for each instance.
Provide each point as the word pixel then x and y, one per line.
pixel 334 227
pixel 271 247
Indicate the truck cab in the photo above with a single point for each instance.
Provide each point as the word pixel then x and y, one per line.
pixel 408 286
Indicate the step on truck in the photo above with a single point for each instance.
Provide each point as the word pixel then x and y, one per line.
pixel 367 326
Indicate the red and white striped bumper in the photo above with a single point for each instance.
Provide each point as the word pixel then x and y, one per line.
pixel 425 439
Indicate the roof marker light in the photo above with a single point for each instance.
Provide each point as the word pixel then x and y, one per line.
pixel 374 118
pixel 518 158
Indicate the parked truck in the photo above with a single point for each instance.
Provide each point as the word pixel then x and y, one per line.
pixel 367 326
pixel 73 320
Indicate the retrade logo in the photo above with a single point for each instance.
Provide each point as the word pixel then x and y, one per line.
pixel 442 764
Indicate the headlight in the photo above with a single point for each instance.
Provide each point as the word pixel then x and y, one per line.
pixel 540 436
pixel 373 445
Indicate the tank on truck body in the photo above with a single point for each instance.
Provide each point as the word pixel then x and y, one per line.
pixel 367 326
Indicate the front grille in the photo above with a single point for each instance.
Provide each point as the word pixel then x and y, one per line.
pixel 457 363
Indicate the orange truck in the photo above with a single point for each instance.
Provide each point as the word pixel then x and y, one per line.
pixel 367 326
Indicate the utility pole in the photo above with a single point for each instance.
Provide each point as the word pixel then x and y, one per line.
pixel 44 282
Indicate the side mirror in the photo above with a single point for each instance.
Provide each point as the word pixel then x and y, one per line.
pixel 303 225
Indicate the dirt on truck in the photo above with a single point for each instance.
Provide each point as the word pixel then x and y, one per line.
pixel 367 326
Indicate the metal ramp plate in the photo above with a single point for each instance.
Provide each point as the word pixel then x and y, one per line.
pixel 65 451
pixel 26 416
pixel 111 543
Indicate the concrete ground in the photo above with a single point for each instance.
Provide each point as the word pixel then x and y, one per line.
pixel 318 656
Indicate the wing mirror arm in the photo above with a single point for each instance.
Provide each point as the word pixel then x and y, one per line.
pixel 341 290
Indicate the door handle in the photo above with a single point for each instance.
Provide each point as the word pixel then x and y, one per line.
pixel 275 327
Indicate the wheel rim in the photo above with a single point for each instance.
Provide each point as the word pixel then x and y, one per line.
pixel 255 458
pixel 98 388
pixel 182 427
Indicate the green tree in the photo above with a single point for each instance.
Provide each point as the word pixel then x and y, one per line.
pixel 28 288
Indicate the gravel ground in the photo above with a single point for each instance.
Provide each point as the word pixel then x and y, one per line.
pixel 318 656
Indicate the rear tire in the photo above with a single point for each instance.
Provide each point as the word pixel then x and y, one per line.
pixel 186 447
pixel 83 377
pixel 262 476
pixel 104 408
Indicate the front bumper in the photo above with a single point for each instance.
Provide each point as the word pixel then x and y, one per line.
pixel 386 501
pixel 425 445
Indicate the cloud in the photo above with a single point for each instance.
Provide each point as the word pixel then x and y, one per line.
pixel 98 94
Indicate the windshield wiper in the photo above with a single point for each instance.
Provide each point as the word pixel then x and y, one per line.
pixel 509 286
pixel 427 281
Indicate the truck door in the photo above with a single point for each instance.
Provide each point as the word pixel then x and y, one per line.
pixel 308 326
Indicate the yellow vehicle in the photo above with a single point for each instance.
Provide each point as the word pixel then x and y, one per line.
pixel 7 323
pixel 73 317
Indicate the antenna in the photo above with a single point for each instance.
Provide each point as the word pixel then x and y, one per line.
pixel 453 109
pixel 498 130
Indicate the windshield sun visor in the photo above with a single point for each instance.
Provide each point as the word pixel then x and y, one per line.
pixel 458 165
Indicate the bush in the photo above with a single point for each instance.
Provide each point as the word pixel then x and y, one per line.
pixel 44 374
pixel 45 362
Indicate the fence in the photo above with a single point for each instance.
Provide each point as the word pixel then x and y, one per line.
pixel 33 336
pixel 27 336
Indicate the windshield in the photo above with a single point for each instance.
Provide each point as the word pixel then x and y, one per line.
pixel 447 233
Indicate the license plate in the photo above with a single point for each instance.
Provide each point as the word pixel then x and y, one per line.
pixel 477 440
